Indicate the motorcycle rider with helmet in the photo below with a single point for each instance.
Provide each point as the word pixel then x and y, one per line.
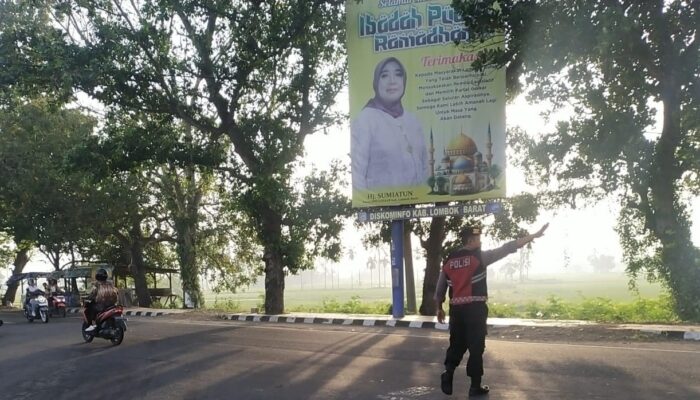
pixel 31 292
pixel 103 295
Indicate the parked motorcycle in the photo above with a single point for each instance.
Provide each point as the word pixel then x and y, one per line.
pixel 110 323
pixel 38 307
pixel 57 304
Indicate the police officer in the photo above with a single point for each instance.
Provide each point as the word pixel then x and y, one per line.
pixel 465 272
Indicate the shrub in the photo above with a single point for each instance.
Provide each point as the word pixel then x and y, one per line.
pixel 352 306
pixel 227 305
pixel 499 310
pixel 602 309
pixel 555 308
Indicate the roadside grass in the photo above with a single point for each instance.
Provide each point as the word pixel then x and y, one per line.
pixel 590 297
pixel 598 309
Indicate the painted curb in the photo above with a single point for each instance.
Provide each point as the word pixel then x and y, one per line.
pixel 129 313
pixel 682 335
pixel 333 321
pixel 375 322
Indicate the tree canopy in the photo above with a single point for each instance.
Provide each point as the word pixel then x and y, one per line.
pixel 628 72
pixel 259 76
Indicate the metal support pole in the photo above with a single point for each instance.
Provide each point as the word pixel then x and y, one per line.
pixel 397 268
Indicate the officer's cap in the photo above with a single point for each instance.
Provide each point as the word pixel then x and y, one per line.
pixel 469 231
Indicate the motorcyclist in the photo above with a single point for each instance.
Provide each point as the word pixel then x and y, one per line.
pixel 31 292
pixel 53 287
pixel 52 290
pixel 103 295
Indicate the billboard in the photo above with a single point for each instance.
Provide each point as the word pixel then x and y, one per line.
pixel 424 127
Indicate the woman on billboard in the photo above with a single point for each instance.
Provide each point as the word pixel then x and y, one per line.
pixel 388 146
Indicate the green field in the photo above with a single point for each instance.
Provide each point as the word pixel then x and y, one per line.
pixel 569 287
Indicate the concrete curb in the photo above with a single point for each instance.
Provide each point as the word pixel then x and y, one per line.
pixel 130 313
pixel 417 322
pixel 395 323
pixel 681 334
pixel 684 335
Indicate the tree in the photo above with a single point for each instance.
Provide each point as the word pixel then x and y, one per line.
pixel 6 251
pixel 629 60
pixel 262 74
pixel 126 205
pixel 602 263
pixel 137 220
pixel 25 37
pixel 41 204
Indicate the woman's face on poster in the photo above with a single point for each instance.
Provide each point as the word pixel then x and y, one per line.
pixel 390 87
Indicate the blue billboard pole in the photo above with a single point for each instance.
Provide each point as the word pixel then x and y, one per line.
pixel 397 268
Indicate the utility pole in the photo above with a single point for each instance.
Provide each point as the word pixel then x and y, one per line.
pixel 408 265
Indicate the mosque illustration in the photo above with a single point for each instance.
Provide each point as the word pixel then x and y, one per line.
pixel 463 169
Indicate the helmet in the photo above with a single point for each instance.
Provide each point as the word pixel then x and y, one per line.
pixel 101 275
pixel 31 282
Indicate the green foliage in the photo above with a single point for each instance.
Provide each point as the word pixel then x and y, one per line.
pixel 230 257
pixel 555 308
pixel 42 201
pixel 258 77
pixel 320 214
pixel 352 306
pixel 630 60
pixel 602 262
pixel 601 309
pixel 261 304
pixel 226 306
pixel 157 304
pixel 502 310
pixel 160 255
pixel 6 252
pixel 27 41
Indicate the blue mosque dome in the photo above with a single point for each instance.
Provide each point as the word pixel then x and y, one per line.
pixel 463 164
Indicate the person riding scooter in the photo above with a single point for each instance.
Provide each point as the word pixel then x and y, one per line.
pixel 32 291
pixel 103 295
pixel 53 287
pixel 57 301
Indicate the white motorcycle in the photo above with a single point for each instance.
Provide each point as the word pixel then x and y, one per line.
pixel 38 307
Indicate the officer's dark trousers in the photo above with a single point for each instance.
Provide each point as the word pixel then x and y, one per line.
pixel 467 332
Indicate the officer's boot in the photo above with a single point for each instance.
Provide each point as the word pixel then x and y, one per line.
pixel 446 381
pixel 476 388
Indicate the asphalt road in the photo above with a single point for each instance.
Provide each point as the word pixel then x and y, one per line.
pixel 163 358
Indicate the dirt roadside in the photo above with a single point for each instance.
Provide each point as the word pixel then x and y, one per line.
pixel 588 333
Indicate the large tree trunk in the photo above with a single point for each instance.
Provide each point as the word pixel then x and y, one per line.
pixel 274 283
pixel 21 259
pixel 433 262
pixel 669 220
pixel 138 268
pixel 274 264
pixel 186 195
pixel 189 271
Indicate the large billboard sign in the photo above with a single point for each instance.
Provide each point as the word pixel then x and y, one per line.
pixel 424 127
